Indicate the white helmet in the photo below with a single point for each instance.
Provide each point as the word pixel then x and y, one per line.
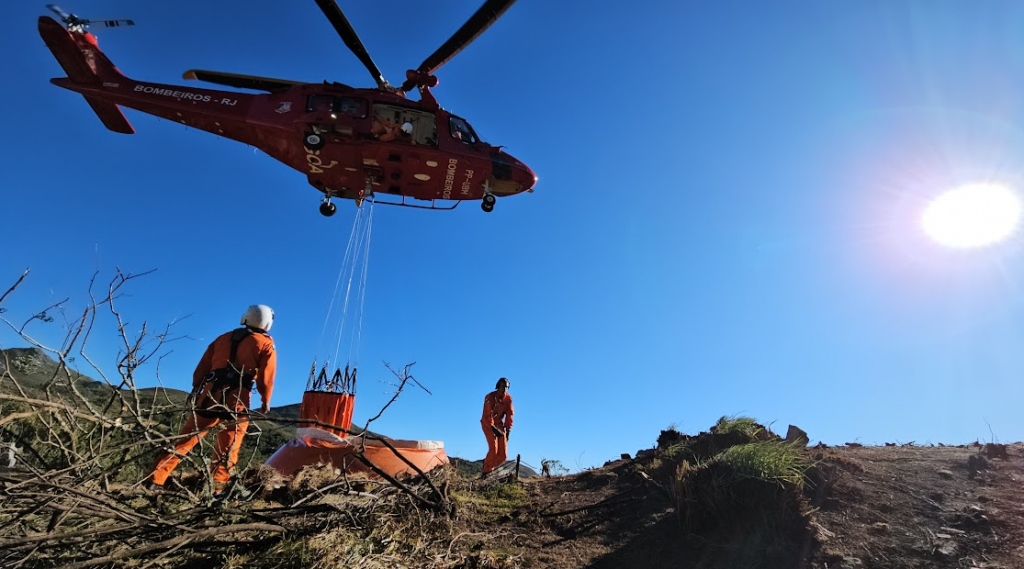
pixel 259 316
pixel 407 127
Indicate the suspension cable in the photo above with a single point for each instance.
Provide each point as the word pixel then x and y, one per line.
pixel 341 271
pixel 354 355
pixel 353 271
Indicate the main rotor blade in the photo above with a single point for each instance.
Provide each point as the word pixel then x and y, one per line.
pixel 477 23
pixel 340 22
pixel 111 23
pixel 241 81
pixel 56 10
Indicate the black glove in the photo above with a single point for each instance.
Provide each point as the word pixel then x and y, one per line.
pixel 508 433
pixel 497 432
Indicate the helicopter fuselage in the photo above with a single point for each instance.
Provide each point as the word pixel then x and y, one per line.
pixel 349 142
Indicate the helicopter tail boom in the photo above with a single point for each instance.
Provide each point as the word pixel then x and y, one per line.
pixel 80 57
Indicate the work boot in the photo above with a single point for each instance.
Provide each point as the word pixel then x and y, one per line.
pixel 222 489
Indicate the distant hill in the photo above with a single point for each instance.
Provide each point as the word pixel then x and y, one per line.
pixel 32 372
pixel 35 371
pixel 473 468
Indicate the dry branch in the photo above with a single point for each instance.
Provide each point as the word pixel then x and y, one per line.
pixel 14 286
pixel 196 538
pixel 63 510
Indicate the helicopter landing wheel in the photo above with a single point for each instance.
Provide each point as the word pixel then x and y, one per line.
pixel 313 141
pixel 327 209
pixel 489 200
pixel 488 207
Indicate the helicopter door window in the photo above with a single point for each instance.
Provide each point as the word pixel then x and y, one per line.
pixel 399 124
pixel 460 130
pixel 320 104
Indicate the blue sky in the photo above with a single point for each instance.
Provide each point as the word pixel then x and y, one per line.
pixel 726 220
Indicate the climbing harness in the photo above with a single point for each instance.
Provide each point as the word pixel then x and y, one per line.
pixel 226 380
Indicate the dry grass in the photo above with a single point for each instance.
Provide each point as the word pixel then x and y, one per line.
pixel 491 503
pixel 314 477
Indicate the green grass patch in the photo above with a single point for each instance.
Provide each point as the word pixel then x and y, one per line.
pixel 771 461
pixel 677 452
pixel 511 494
pixel 493 502
pixel 737 424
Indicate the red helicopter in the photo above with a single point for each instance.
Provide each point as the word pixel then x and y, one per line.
pixel 355 143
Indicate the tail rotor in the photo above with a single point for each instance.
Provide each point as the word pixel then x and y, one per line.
pixel 76 24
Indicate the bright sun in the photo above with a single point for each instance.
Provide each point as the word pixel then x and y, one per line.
pixel 974 215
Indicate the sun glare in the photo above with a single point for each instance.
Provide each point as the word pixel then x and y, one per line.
pixel 972 216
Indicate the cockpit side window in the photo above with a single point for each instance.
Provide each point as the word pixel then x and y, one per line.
pixel 319 104
pixel 461 131
pixel 349 106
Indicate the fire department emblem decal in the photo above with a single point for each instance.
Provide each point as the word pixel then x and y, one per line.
pixel 283 108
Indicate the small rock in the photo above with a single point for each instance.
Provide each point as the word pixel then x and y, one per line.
pixel 947 548
pixel 850 563
pixel 8 455
pixel 995 450
pixel 948 474
pixel 879 527
pixel 797 435
pixel 646 453
pixel 669 437
pixel 823 534
pixel 624 456
pixel 975 464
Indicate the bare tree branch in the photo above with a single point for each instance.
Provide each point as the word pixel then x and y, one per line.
pixel 14 286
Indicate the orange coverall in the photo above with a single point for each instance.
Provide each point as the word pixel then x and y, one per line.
pixel 257 358
pixel 497 413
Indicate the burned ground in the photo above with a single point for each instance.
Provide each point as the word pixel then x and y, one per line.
pixel 912 506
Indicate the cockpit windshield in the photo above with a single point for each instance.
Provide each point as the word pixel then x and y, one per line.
pixel 460 130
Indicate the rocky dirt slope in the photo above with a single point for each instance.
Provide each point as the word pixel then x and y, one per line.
pixel 884 507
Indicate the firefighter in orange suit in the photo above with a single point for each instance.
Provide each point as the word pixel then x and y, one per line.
pixel 497 424
pixel 222 387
